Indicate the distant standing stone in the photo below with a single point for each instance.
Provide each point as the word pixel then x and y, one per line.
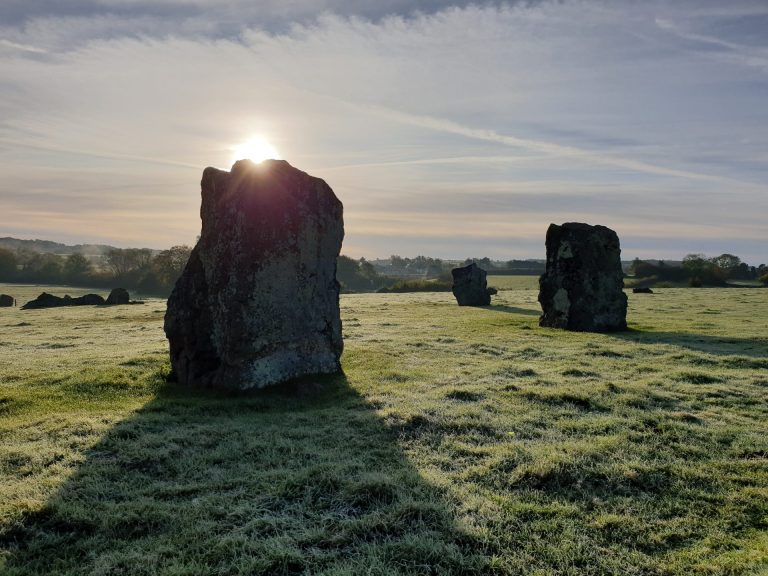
pixel 582 287
pixel 6 301
pixel 258 301
pixel 119 296
pixel 470 287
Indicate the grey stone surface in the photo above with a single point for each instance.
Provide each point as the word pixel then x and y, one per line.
pixel 582 287
pixel 258 302
pixel 119 296
pixel 6 301
pixel 470 287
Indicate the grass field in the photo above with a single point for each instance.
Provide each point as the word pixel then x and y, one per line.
pixel 514 282
pixel 458 441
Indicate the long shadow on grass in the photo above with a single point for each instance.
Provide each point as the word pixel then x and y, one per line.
pixel 301 480
pixel 511 310
pixel 720 345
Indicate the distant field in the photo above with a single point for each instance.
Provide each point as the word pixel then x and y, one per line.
pixel 458 441
pixel 514 282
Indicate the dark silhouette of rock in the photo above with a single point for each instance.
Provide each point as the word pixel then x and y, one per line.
pixel 6 301
pixel 642 290
pixel 119 296
pixel 258 301
pixel 582 287
pixel 46 300
pixel 469 286
pixel 88 300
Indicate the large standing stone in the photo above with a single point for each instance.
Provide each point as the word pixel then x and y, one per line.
pixel 582 288
pixel 6 301
pixel 258 301
pixel 470 287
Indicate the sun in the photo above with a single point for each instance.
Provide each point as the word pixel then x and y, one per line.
pixel 256 149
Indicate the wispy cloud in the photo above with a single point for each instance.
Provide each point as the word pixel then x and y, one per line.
pixel 551 149
pixel 444 130
pixel 756 57
pixel 22 47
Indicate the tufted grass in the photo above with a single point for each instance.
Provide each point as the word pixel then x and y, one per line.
pixel 458 441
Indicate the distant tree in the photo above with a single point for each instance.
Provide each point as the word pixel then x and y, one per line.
pixel 726 261
pixel 702 271
pixel 484 263
pixel 695 264
pixel 170 263
pixel 764 279
pixel 159 277
pixel 118 261
pixel 732 267
pixel 123 261
pixel 398 262
pixel 44 268
pixel 366 269
pixel 435 267
pixel 356 275
pixel 77 268
pixel 8 262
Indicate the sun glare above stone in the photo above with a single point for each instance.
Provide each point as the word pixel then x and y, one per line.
pixel 256 149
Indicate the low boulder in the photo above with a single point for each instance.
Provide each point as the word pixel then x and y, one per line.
pixel 6 301
pixel 119 296
pixel 470 287
pixel 88 300
pixel 642 290
pixel 46 300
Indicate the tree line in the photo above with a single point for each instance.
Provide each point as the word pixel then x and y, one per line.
pixel 699 270
pixel 155 272
pixel 139 269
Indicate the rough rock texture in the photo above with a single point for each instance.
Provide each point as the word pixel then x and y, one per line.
pixel 469 286
pixel 119 296
pixel 46 300
pixel 258 301
pixel 6 301
pixel 582 288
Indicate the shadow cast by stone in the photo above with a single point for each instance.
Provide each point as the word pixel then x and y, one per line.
pixel 719 345
pixel 301 479
pixel 512 310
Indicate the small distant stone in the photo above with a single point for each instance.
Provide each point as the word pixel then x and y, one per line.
pixel 642 290
pixel 119 296
pixel 582 288
pixel 6 301
pixel 470 287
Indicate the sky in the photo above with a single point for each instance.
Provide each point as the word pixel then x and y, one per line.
pixel 449 129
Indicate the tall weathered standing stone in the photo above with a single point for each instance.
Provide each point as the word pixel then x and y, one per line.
pixel 582 288
pixel 258 301
pixel 470 287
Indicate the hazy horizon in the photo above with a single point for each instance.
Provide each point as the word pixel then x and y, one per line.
pixel 451 130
